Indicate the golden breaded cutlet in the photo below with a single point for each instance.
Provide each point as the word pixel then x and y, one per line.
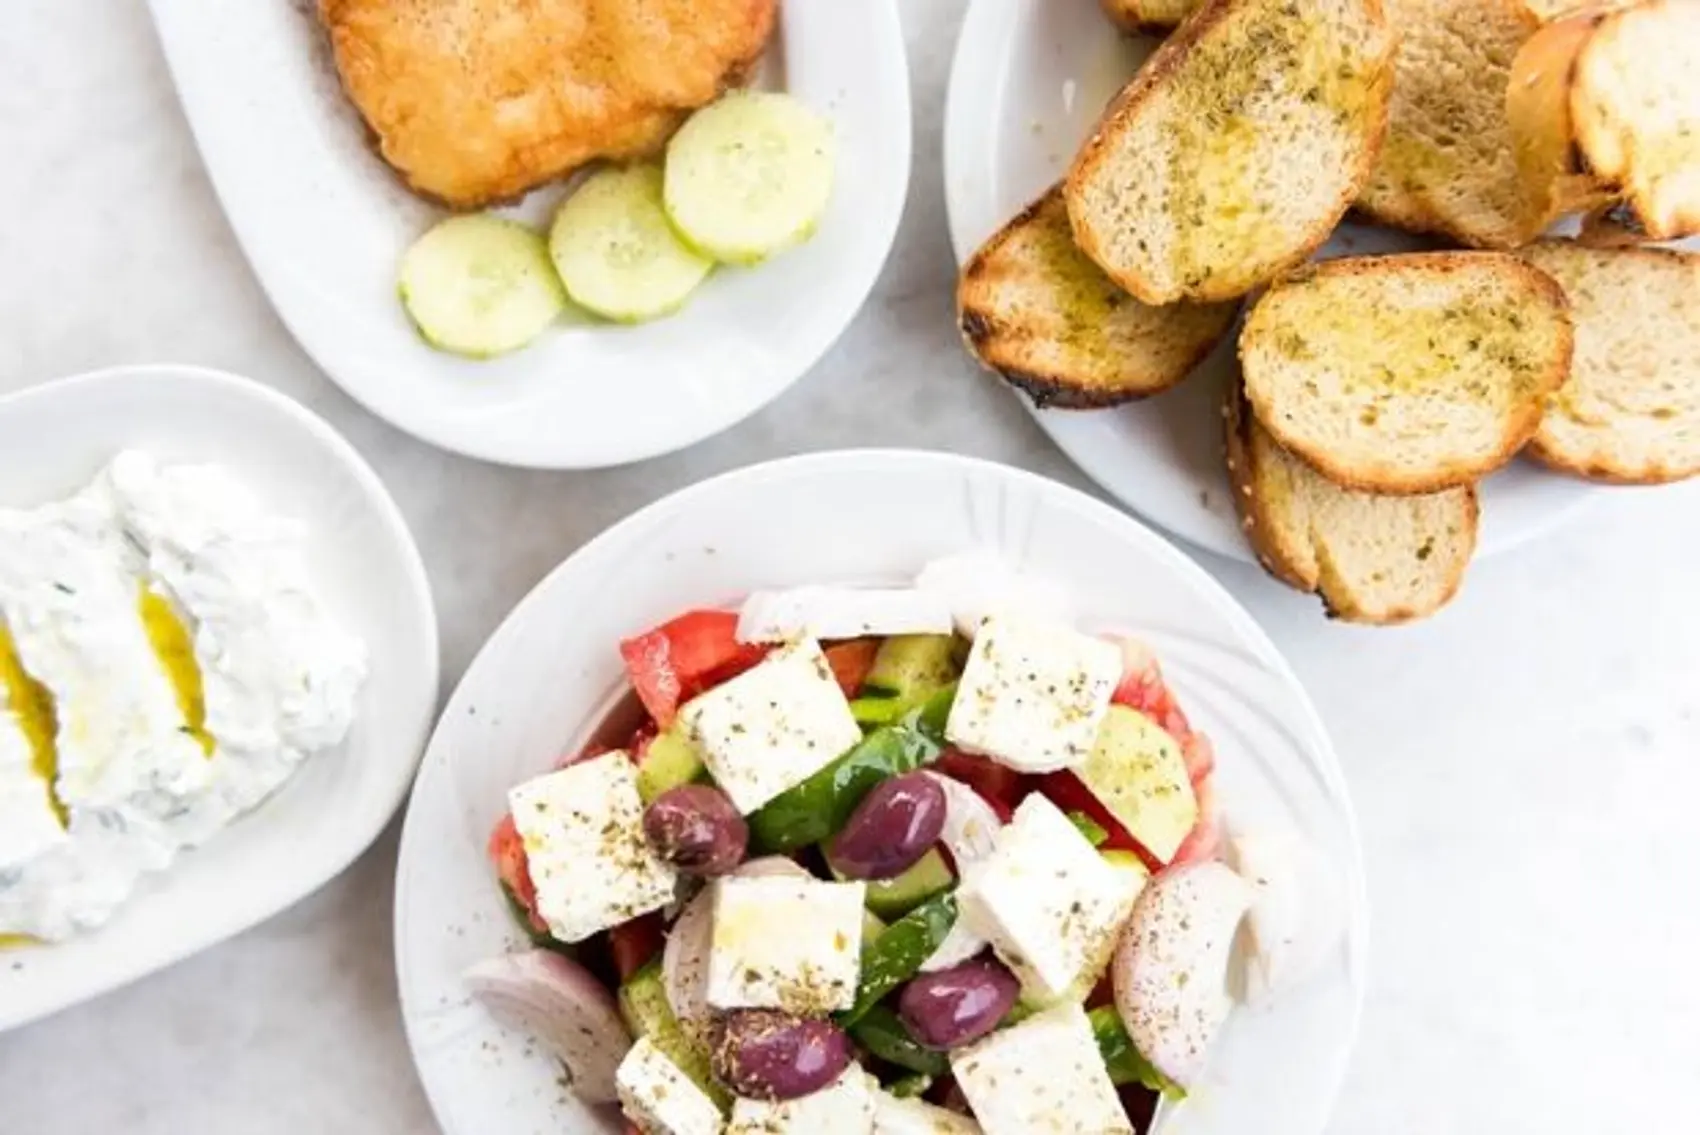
pixel 477 101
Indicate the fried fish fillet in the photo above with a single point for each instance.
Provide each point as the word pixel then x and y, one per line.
pixel 477 101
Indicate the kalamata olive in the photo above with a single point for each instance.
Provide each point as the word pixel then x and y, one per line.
pixel 768 1055
pixel 959 1005
pixel 891 828
pixel 697 829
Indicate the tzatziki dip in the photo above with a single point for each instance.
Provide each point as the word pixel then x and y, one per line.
pixel 165 666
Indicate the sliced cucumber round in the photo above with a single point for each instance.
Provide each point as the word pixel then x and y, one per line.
pixel 615 251
pixel 749 176
pixel 480 286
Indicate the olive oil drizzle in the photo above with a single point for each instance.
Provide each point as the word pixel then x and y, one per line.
pixel 175 648
pixel 33 705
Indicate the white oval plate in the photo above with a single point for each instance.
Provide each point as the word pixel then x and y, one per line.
pixel 53 439
pixel 1028 81
pixel 324 223
pixel 537 687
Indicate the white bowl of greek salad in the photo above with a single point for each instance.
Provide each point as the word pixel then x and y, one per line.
pixel 880 793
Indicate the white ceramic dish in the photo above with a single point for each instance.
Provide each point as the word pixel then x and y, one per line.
pixel 1029 79
pixel 540 684
pixel 53 439
pixel 324 223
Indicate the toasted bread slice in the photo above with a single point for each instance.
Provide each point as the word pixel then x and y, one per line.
pixel 1637 112
pixel 1033 308
pixel 1606 104
pixel 1406 374
pixel 1372 558
pixel 1148 15
pixel 1630 411
pixel 1538 110
pixel 1447 165
pixel 1232 154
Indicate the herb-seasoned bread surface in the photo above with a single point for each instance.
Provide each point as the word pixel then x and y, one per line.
pixel 1033 308
pixel 1372 558
pixel 1630 410
pixel 1448 165
pixel 1406 374
pixel 1233 153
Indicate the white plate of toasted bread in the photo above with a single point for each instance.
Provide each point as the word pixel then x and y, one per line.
pixel 334 131
pixel 1136 214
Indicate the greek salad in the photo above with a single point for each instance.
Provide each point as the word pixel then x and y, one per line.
pixel 921 859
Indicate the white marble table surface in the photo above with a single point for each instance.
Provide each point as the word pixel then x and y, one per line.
pixel 1526 767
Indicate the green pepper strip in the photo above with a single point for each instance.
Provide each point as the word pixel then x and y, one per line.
pixel 1125 1064
pixel 896 955
pixel 872 713
pixel 881 1032
pixel 926 711
pixel 1094 832
pixel 813 810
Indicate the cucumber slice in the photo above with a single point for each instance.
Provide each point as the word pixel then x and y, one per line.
pixel 480 286
pixel 671 761
pixel 749 176
pixel 644 1008
pixel 896 897
pixel 909 665
pixel 615 251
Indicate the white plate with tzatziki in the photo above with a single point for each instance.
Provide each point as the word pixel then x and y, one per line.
pixel 218 666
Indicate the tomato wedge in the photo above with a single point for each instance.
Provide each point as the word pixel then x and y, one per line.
pixel 1200 757
pixel 850 661
pixel 1142 688
pixel 507 852
pixel 685 656
pixel 634 944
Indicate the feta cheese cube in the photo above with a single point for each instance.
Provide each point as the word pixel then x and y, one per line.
pixel 1047 901
pixel 773 726
pixel 657 1096
pixel 583 832
pixel 1042 1075
pixel 1033 694
pixel 840 612
pixel 843 1107
pixel 893 1116
pixel 785 943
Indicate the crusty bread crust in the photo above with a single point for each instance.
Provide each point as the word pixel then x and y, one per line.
pixel 1518 426
pixel 1072 339
pixel 1162 68
pixel 1139 16
pixel 1309 569
pixel 1253 508
pixel 1538 105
